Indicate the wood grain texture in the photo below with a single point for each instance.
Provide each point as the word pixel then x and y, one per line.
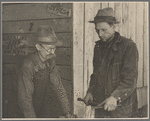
pixel 88 49
pixel 8 68
pixel 7 82
pixel 146 45
pixel 59 25
pixel 13 39
pixel 66 73
pixel 78 22
pixel 132 20
pixel 95 10
pixel 89 42
pixel 125 19
pixel 105 4
pixel 111 4
pixel 63 56
pixel 139 97
pixel 145 95
pixel 12 59
pixel 118 16
pixel 139 41
pixel 31 11
pixel 142 94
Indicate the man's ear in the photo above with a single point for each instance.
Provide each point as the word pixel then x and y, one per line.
pixel 38 47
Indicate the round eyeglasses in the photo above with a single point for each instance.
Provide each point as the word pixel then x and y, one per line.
pixel 48 50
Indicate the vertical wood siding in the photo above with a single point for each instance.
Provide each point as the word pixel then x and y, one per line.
pixel 78 37
pixel 133 17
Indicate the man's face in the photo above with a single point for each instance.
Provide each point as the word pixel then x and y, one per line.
pixel 47 51
pixel 104 30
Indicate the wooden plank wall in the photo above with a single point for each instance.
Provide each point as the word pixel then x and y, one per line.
pixel 16 23
pixel 133 19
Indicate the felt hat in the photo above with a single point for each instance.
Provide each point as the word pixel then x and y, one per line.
pixel 45 35
pixel 105 15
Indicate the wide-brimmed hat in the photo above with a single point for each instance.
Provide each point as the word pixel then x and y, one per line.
pixel 44 35
pixel 105 15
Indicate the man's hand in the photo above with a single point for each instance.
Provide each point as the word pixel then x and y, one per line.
pixel 110 104
pixel 88 98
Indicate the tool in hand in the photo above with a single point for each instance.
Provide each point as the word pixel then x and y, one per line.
pixel 93 104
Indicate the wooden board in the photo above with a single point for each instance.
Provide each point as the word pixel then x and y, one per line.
pixel 59 25
pixel 146 46
pixel 125 19
pixel 95 10
pixel 11 42
pixel 104 5
pixel 142 94
pixel 8 68
pixel 139 41
pixel 132 20
pixel 78 19
pixel 118 16
pixel 7 81
pixel 66 38
pixel 88 44
pixel 111 4
pixel 145 95
pixel 64 57
pixel 66 73
pixel 139 97
pixel 90 37
pixel 88 50
pixel 36 11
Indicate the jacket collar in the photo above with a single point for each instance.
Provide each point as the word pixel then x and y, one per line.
pixel 117 40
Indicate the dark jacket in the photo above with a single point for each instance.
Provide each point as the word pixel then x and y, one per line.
pixel 119 72
pixel 40 90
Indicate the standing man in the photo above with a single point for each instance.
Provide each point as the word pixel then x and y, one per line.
pixel 115 71
pixel 40 90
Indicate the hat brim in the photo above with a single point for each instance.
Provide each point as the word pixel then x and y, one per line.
pixel 115 22
pixel 32 41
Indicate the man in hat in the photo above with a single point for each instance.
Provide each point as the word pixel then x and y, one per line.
pixel 40 90
pixel 114 78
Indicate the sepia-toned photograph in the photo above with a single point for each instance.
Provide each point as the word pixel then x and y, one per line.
pixel 75 60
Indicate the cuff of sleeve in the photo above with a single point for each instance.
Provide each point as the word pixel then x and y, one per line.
pixel 120 96
pixel 116 94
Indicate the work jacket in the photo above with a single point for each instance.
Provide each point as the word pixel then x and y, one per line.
pixel 41 93
pixel 118 73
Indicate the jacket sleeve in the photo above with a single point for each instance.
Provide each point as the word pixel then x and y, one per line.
pixel 129 73
pixel 25 91
pixel 59 89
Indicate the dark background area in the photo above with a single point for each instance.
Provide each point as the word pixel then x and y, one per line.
pixel 19 22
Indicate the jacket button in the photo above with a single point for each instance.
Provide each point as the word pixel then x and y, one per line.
pixel 125 94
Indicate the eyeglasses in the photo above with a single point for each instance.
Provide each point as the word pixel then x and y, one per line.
pixel 48 50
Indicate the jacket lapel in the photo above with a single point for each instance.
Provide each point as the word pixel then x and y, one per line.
pixel 114 48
